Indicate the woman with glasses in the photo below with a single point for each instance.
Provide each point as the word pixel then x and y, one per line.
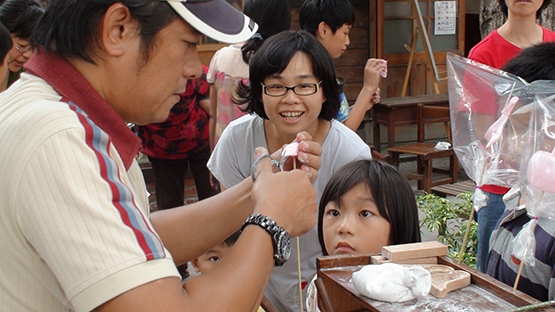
pixel 20 18
pixel 292 88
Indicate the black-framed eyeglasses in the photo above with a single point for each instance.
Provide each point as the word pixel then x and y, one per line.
pixel 300 89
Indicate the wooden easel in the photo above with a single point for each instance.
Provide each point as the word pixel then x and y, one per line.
pixel 419 28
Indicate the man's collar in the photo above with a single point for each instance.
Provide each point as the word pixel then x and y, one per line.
pixel 70 84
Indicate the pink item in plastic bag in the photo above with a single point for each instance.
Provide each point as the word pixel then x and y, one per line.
pixel 494 132
pixel 541 171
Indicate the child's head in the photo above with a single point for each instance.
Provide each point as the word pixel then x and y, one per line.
pixel 208 260
pixel 330 21
pixel 534 63
pixel 505 8
pixel 291 58
pixel 367 204
pixel 20 18
pixel 272 17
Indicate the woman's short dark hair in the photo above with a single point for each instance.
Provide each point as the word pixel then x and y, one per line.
pixel 274 56
pixel 6 42
pixel 72 28
pixel 21 17
pixel 272 17
pixel 505 9
pixel 391 191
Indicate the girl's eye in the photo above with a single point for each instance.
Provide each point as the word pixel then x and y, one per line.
pixel 214 259
pixel 332 213
pixel 365 213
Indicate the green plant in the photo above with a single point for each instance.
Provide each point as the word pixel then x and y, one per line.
pixel 450 219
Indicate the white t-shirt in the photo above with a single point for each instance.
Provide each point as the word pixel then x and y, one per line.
pixel 74 229
pixel 231 163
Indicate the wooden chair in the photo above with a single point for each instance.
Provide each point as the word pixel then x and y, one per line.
pixel 376 155
pixel 425 152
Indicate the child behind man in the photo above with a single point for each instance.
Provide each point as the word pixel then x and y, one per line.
pixel 210 259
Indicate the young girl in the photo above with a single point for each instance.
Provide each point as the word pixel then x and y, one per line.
pixel 292 88
pixel 366 205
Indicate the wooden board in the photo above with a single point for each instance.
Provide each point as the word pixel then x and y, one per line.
pixel 414 251
pixel 483 294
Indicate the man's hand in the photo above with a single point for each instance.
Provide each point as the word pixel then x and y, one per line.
pixel 288 198
pixel 308 157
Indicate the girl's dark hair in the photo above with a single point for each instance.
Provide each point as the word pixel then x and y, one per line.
pixel 71 28
pixel 505 9
pixel 335 13
pixel 391 191
pixel 6 42
pixel 272 17
pixel 274 56
pixel 21 17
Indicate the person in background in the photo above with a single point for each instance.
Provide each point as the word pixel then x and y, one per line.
pixel 76 233
pixel 209 260
pixel 495 50
pixel 6 44
pixel 178 143
pixel 533 63
pixel 292 88
pixel 20 18
pixel 230 65
pixel 367 204
pixel 330 21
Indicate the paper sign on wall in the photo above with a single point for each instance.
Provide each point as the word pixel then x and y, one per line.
pixel 445 17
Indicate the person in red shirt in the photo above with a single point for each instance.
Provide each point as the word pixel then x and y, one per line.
pixel 495 50
pixel 179 142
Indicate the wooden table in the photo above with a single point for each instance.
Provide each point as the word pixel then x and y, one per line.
pixel 400 111
pixel 336 292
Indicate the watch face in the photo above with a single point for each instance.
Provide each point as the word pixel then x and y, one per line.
pixel 283 246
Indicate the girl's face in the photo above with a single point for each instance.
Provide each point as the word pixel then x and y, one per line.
pixel 291 113
pixel 357 226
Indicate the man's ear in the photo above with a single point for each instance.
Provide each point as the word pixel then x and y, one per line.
pixel 118 27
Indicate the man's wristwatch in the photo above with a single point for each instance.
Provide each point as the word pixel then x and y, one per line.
pixel 280 237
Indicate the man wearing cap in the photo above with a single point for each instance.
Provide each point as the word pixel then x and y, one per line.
pixel 75 233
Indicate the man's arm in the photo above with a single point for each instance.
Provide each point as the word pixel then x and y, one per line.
pixel 368 95
pixel 238 282
pixel 183 229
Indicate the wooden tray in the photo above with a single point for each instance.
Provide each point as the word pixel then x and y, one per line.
pixel 336 292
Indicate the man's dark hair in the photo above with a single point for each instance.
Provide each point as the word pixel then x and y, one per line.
pixel 71 28
pixel 505 9
pixel 335 13
pixel 534 63
pixel 6 42
pixel 272 17
pixel 21 17
pixel 274 56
